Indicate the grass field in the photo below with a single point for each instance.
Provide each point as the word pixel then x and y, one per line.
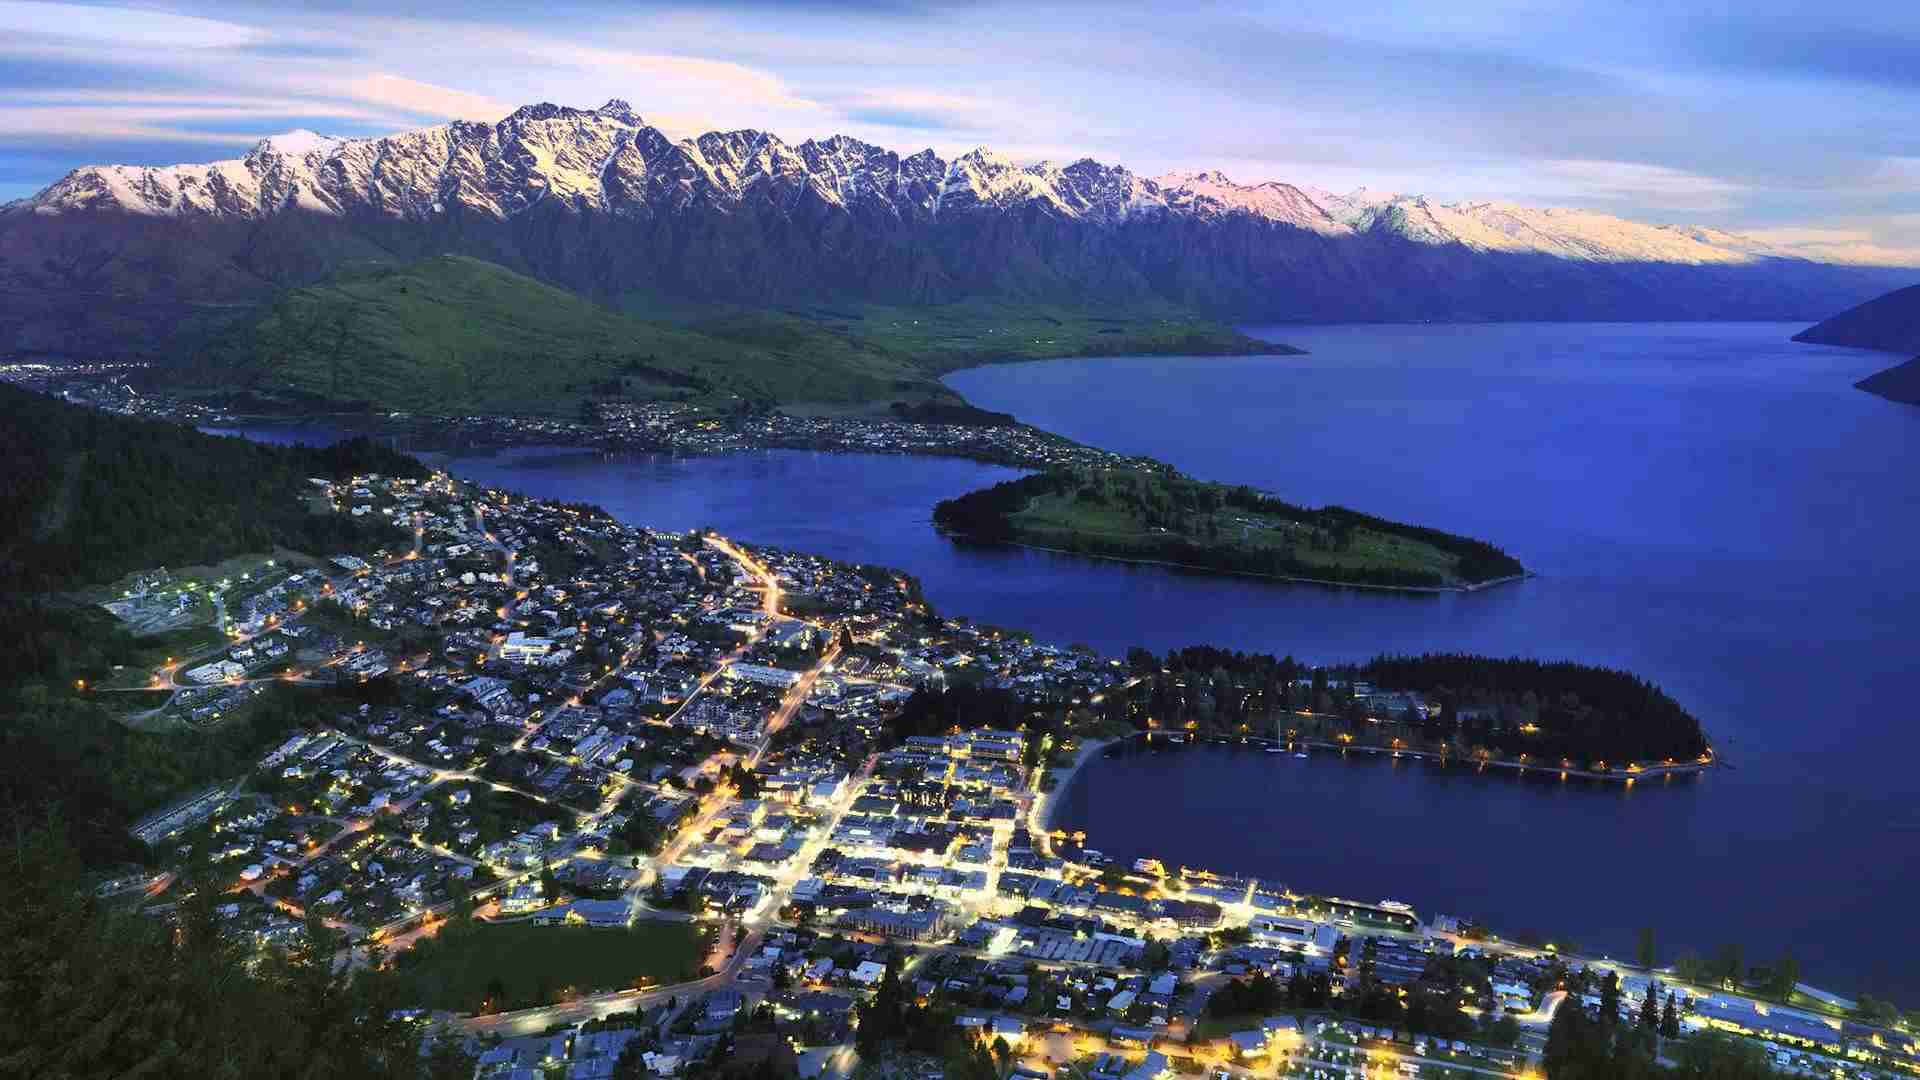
pixel 1065 516
pixel 534 963
pixel 453 334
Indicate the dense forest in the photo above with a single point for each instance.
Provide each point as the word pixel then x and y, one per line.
pixel 1600 1045
pixel 1178 518
pixel 966 707
pixel 1582 711
pixel 86 497
pixel 1506 707
pixel 93 992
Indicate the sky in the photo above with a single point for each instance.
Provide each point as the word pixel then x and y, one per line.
pixel 1790 122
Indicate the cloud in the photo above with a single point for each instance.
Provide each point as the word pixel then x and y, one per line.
pixel 721 81
pixel 1825 49
pixel 142 27
pixel 424 99
pixel 1643 184
pixel 236 123
pixel 1771 118
pixel 915 110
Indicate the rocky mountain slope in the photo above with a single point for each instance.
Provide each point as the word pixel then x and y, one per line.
pixel 121 258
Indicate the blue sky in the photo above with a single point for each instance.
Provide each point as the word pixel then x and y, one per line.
pixel 1793 121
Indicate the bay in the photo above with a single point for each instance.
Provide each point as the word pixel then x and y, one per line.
pixel 1708 505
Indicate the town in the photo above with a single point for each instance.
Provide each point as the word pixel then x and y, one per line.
pixel 613 796
pixel 720 426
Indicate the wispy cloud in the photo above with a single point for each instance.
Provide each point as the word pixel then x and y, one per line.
pixel 915 110
pixel 1769 117
pixel 143 27
pixel 1641 184
pixel 423 99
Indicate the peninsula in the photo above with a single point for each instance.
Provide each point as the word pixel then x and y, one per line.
pixel 1889 323
pixel 644 769
pixel 1156 515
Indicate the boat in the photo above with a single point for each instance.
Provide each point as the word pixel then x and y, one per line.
pixel 1279 739
pixel 1300 754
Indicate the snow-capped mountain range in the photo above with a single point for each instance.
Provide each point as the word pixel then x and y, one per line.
pixel 116 258
pixel 609 160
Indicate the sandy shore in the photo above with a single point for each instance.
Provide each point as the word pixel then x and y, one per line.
pixel 1046 806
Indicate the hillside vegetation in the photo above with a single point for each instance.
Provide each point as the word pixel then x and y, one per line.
pixel 1898 383
pixel 1163 516
pixel 86 497
pixel 92 991
pixel 453 334
pixel 1889 323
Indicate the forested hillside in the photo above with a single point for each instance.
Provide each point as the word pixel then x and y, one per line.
pixel 86 497
pixel 1579 710
pixel 1161 515
pixel 91 992
pixel 1548 710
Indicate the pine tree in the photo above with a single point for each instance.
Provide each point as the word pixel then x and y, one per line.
pixel 1669 1019
pixel 1610 1001
pixel 1650 1010
pixel 1785 975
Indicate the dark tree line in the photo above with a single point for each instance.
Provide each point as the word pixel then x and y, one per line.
pixel 1185 509
pixel 962 705
pixel 947 412
pixel 1582 712
pixel 1589 1046
pixel 893 1020
pixel 1546 709
pixel 86 496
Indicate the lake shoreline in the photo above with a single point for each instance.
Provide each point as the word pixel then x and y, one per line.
pixel 1048 806
pixel 1516 766
pixel 1424 590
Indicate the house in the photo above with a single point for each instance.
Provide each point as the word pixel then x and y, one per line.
pixel 522 898
pixel 1249 1045
pixel 520 647
pixel 721 1006
pixel 601 914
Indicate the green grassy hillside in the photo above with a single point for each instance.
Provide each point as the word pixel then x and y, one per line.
pixel 455 334
pixel 1163 516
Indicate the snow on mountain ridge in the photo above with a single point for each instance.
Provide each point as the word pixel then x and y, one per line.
pixel 608 160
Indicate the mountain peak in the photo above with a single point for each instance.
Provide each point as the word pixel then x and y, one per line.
pixel 605 159
pixel 984 155
pixel 297 143
pixel 618 109
pixel 545 110
pixel 1206 176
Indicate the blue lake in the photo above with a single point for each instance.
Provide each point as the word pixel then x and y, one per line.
pixel 1706 504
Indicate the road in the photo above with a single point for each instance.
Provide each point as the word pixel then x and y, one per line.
pixel 507 553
